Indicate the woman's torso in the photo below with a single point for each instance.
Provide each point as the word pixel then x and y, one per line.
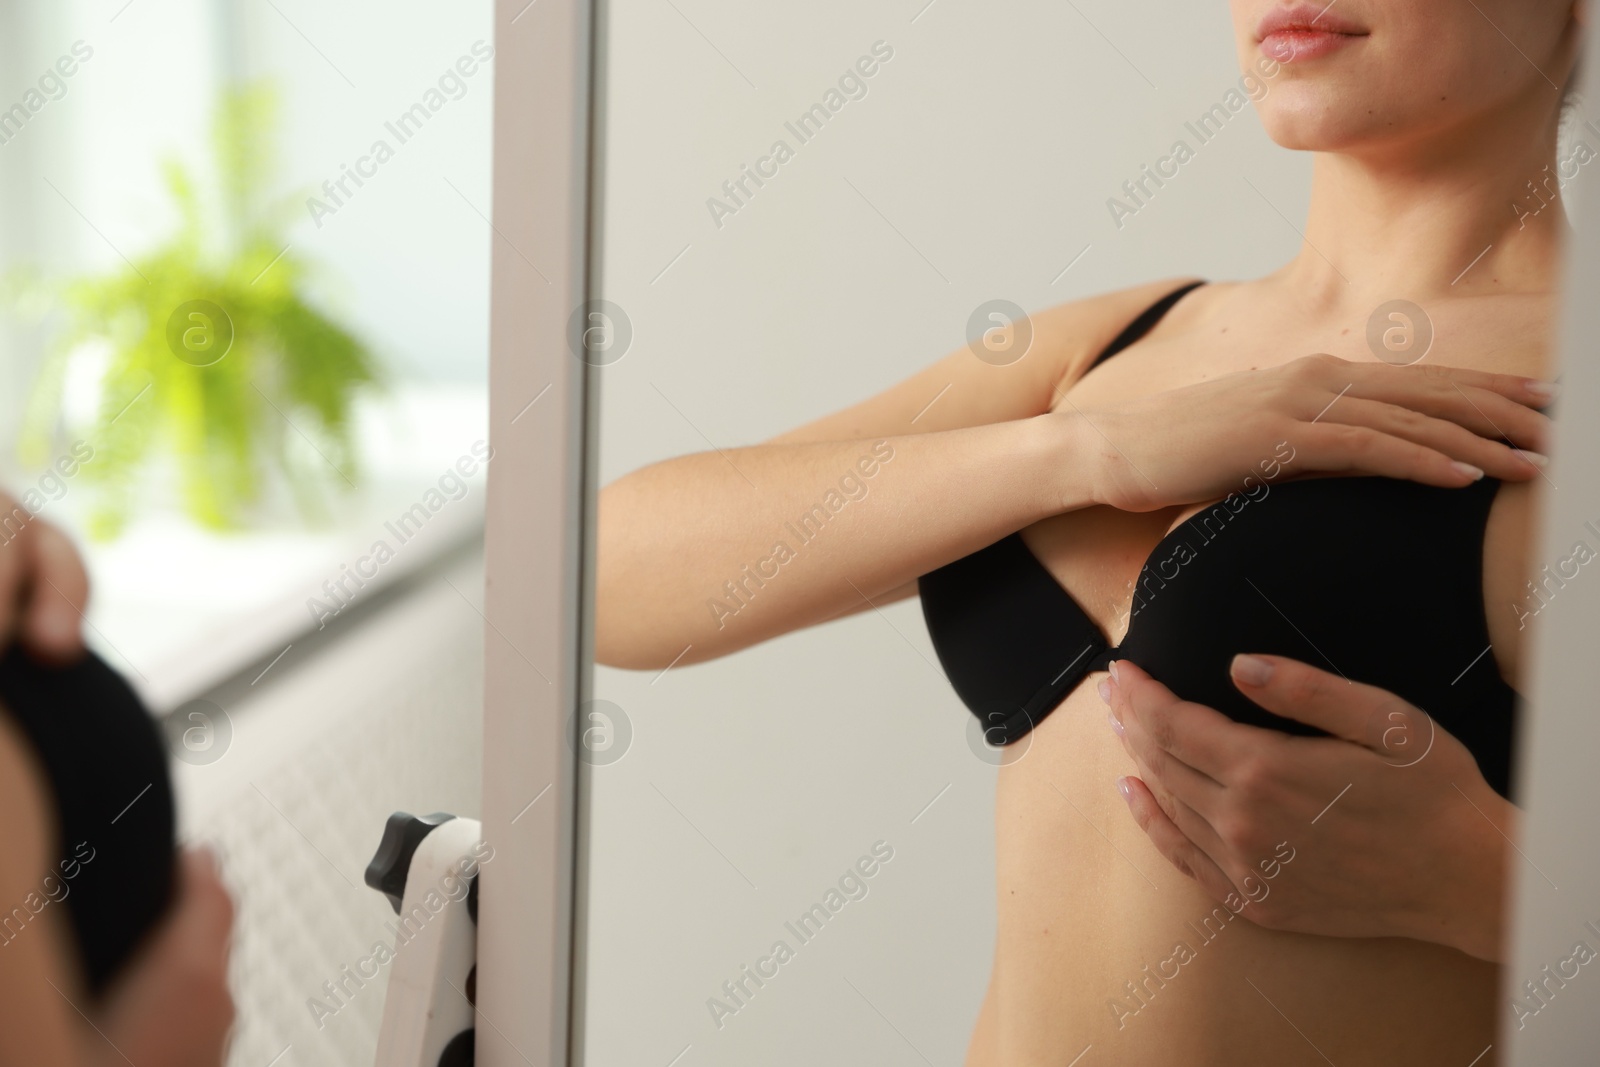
pixel 1086 904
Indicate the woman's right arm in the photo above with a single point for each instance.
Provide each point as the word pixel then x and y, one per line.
pixel 956 462
pixel 704 554
pixel 718 551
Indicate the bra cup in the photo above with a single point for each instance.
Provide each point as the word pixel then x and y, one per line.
pixel 1378 580
pixel 1374 579
pixel 106 760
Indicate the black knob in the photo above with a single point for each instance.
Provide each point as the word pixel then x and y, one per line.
pixel 390 864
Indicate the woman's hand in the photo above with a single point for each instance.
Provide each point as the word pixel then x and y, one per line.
pixel 1390 829
pixel 1316 415
pixel 171 1005
pixel 43 586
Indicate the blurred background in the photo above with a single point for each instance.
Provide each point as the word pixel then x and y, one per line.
pixel 178 182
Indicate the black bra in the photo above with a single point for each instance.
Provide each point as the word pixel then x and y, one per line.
pixel 112 867
pixel 1376 579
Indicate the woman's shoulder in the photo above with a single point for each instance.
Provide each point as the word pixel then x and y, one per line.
pixel 1094 321
pixel 1080 330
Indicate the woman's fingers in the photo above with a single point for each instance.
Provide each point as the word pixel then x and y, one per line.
pixel 1190 823
pixel 1433 391
pixel 1532 392
pixel 1339 447
pixel 1490 405
pixel 1432 380
pixel 58 593
pixel 1202 739
pixel 1372 717
pixel 1450 439
pixel 1171 842
pixel 43 586
pixel 1177 787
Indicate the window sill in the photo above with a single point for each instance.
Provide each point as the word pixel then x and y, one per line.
pixel 180 609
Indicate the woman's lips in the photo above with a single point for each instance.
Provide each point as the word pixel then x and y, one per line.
pixel 1305 31
pixel 1291 44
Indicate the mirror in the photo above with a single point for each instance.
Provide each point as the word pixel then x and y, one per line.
pixel 246 270
pixel 800 843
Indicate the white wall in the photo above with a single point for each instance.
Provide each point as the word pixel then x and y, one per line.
pixel 978 165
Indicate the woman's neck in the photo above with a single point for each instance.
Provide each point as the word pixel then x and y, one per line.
pixel 1452 217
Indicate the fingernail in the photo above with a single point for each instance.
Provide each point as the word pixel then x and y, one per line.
pixel 1538 459
pixel 1112 667
pixel 1116 727
pixel 1466 468
pixel 1542 390
pixel 1122 787
pixel 1252 670
pixel 1105 689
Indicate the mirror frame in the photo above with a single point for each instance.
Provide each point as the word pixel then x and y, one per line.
pixel 1560 729
pixel 536 537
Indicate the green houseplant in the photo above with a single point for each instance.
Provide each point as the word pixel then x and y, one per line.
pixel 213 356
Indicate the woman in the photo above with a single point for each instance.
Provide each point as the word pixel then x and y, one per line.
pixel 1427 118
pixel 106 956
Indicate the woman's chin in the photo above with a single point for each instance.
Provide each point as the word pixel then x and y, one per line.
pixel 1315 122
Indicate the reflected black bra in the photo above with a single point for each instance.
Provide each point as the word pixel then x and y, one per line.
pixel 106 763
pixel 1376 579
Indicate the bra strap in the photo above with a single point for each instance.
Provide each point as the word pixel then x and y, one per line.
pixel 1145 322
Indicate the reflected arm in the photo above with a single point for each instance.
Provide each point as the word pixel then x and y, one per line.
pixel 720 551
pixel 705 554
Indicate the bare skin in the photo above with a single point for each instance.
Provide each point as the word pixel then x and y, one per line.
pixel 1069 905
pixel 1409 189
pixel 170 1006
pixel 1426 124
pixel 1087 901
pixel 43 586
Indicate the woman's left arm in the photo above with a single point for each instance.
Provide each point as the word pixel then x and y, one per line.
pixel 1384 829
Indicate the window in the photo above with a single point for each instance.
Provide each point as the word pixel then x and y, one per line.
pixel 378 164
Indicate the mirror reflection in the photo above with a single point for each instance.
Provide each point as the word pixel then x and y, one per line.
pixel 1065 550
pixel 243 306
